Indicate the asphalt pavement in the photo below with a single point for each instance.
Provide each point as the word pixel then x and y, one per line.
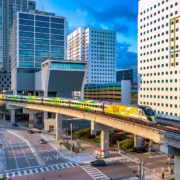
pixel 24 155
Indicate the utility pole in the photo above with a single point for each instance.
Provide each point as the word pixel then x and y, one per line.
pixel 140 163
pixel 141 173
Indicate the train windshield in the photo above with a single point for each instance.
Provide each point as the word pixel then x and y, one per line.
pixel 149 112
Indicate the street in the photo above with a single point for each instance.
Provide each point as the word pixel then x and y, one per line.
pixel 24 155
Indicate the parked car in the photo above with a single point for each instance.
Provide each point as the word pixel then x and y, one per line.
pixel 30 131
pixel 98 163
pixel 14 125
pixel 66 136
pixel 42 141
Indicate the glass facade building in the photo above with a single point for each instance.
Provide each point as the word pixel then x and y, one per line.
pixel 40 37
pixel 8 11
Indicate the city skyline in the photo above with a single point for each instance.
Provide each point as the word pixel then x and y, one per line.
pixel 106 16
pixel 89 89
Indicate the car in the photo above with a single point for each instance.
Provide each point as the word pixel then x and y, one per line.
pixel 98 163
pixel 66 136
pixel 42 141
pixel 30 131
pixel 14 125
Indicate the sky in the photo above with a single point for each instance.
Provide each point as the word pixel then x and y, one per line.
pixel 117 15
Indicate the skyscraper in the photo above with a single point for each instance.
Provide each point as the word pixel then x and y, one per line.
pixel 36 37
pixel 8 10
pixel 159 56
pixel 98 48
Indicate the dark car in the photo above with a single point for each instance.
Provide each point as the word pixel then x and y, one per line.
pixel 14 125
pixel 42 141
pixel 30 131
pixel 98 163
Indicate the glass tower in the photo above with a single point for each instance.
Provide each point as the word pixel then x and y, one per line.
pixel 8 11
pixel 40 37
pixel 37 37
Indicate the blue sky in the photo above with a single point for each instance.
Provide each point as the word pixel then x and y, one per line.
pixel 117 15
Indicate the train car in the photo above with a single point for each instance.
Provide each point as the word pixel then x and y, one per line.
pixel 2 96
pixel 13 98
pixel 56 101
pixel 145 113
pixel 31 99
pixel 88 105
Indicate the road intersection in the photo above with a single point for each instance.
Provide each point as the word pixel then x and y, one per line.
pixel 24 155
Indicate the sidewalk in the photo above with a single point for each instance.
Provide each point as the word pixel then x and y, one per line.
pixel 83 157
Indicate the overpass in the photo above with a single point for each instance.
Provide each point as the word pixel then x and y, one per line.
pixel 168 138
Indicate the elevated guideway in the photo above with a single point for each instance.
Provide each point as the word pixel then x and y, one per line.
pixel 168 138
pixel 146 131
pixel 154 132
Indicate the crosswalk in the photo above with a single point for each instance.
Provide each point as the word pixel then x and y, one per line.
pixel 36 170
pixel 94 173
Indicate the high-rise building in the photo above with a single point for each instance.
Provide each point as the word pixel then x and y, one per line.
pixel 127 74
pixel 8 10
pixel 159 56
pixel 36 37
pixel 98 48
pixel 124 74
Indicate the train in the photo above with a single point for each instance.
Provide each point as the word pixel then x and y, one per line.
pixel 142 113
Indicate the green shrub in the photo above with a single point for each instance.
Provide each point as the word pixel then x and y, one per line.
pixel 3 178
pixel 126 144
pixel 82 133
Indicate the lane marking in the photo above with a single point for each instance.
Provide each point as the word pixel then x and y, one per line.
pixel 22 168
pixel 25 155
pixel 19 173
pixel 94 172
pixel 36 170
pixel 14 156
pixel 53 146
pixel 38 158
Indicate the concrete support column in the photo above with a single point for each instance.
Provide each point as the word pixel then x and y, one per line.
pixel 12 116
pixel 59 129
pixel 177 166
pixel 32 120
pixel 137 141
pixel 93 128
pixel 104 143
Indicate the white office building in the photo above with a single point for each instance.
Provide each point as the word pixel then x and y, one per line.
pixel 159 56
pixel 98 48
